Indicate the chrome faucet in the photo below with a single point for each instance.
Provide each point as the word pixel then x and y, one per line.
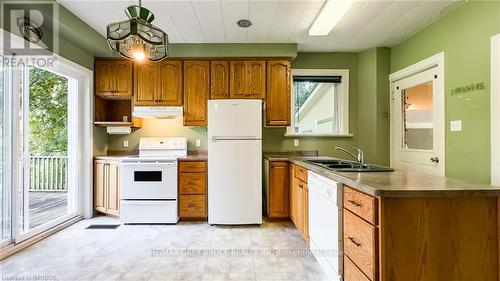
pixel 360 158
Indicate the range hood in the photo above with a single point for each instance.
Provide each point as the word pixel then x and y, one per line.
pixel 161 112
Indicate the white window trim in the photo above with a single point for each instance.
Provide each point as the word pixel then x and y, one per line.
pixel 495 114
pixel 426 64
pixel 344 100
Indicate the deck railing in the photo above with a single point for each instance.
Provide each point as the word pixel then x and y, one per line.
pixel 48 173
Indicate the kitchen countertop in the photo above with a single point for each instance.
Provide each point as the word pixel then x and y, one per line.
pixel 401 183
pixel 194 157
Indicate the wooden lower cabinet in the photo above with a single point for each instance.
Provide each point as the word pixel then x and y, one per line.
pixel 420 238
pixel 352 272
pixel 107 187
pixel 277 201
pixel 192 190
pixel 299 200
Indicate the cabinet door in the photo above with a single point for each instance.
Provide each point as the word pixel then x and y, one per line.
pixel 103 78
pixel 298 205
pixel 257 79
pixel 238 82
pixel 169 83
pixel 305 212
pixel 196 92
pixel 219 79
pixel 192 206
pixel 291 186
pixel 122 76
pixel 144 84
pixel 278 103
pixel 99 185
pixel 278 190
pixel 113 190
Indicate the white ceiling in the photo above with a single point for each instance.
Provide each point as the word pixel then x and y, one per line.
pixel 367 24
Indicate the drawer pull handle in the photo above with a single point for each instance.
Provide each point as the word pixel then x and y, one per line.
pixel 354 241
pixel 355 203
pixel 301 186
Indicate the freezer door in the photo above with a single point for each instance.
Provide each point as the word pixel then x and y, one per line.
pixel 235 182
pixel 235 118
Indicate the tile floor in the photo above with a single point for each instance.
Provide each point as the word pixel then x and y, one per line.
pixel 275 251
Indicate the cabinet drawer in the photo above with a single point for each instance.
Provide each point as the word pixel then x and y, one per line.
pixel 192 206
pixel 360 243
pixel 192 167
pixel 352 272
pixel 192 183
pixel 301 173
pixel 361 204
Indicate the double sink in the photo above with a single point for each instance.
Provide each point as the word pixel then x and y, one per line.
pixel 340 165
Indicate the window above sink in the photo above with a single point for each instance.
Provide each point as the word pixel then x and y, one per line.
pixel 320 103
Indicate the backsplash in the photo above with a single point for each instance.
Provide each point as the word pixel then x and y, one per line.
pixel 160 128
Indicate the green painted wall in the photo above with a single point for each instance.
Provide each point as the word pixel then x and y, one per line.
pixel 273 139
pixel 373 105
pixel 464 35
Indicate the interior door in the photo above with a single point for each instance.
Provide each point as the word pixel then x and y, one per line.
pixel 418 125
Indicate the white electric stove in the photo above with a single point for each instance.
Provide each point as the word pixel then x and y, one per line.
pixel 149 181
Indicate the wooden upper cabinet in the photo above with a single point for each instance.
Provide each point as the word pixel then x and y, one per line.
pixel 219 79
pixel 238 79
pixel 144 84
pixel 113 77
pixel 196 92
pixel 169 84
pixel 158 84
pixel 278 99
pixel 257 79
pixel 247 79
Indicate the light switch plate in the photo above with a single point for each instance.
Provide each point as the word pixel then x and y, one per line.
pixel 296 142
pixel 125 143
pixel 456 125
pixel 198 143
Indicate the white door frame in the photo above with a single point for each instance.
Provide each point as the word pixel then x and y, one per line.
pixel 83 145
pixel 426 64
pixel 495 113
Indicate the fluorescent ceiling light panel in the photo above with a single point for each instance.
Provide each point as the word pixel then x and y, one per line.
pixel 331 13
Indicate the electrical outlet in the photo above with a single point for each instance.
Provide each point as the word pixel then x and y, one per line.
pixel 198 143
pixel 456 126
pixel 125 143
pixel 296 142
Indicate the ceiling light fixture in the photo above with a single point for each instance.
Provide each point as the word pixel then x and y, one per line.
pixel 137 39
pixel 329 16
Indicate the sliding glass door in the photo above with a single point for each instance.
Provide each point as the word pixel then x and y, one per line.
pixel 39 121
pixel 46 196
pixel 5 140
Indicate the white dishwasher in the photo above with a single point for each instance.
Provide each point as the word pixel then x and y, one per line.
pixel 325 223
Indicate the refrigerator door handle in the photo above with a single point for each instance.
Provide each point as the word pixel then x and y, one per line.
pixel 216 138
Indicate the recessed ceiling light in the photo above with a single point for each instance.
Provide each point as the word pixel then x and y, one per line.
pixel 244 23
pixel 329 16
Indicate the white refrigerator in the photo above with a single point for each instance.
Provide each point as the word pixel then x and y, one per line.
pixel 234 162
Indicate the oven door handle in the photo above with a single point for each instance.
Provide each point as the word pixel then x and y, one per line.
pixel 142 164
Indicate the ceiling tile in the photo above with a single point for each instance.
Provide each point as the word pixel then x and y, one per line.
pixel 209 14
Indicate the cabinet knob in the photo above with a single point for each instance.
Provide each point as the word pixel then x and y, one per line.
pixel 355 203
pixel 353 241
